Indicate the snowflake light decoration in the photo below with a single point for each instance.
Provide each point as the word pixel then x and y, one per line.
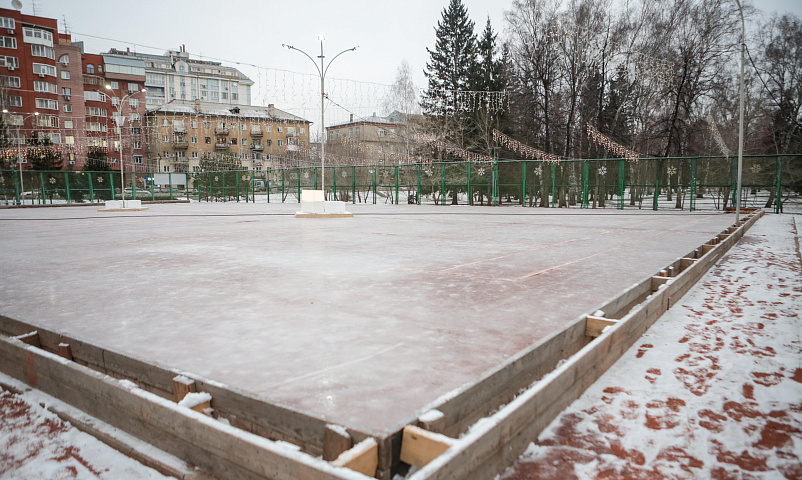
pixel 602 171
pixel 52 181
pixel 306 174
pixel 429 172
pixel 99 179
pixel 481 172
pixel 216 178
pixel 671 170
pixel 538 170
pixel 345 174
pixel 755 169
pixel 245 178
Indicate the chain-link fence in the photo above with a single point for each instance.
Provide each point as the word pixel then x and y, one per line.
pixel 693 183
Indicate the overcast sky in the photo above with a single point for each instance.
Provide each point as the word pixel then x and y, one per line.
pixel 252 31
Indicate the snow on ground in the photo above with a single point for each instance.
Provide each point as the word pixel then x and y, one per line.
pixel 36 445
pixel 713 390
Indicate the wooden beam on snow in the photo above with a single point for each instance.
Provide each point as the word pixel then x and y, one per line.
pixel 419 447
pixel 362 458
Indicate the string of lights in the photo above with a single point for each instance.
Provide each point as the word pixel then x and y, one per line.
pixel 611 146
pixel 526 151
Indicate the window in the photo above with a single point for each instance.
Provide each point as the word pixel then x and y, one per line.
pixel 279 129
pixel 134 116
pixel 38 35
pixel 64 59
pixel 303 130
pixel 94 96
pixel 136 130
pixel 10 62
pixel 165 122
pixel 44 87
pixel 114 84
pixel 54 137
pixel 69 139
pixel 46 103
pixel 194 154
pixel 125 69
pixel 194 139
pixel 243 127
pixel 90 69
pixel 96 127
pixel 68 107
pixel 133 87
pixel 133 102
pixel 100 69
pixel 66 91
pixel 194 124
pixel 165 138
pixel 280 143
pixel 233 140
pixel 195 168
pixel 138 159
pixel 43 51
pixel 96 112
pixel 68 124
pixel 381 132
pixel 47 121
pixel 268 142
pixel 392 133
pixel 14 101
pixel 269 128
pixel 179 154
pixel 115 101
pixel 136 144
pixel 42 69
pixel 166 168
pixel 244 141
pixel 208 139
pixel 8 42
pixel 6 22
pixel 10 82
pixel 65 75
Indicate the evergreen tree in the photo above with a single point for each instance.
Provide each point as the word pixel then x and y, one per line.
pixel 96 160
pixel 450 70
pixel 488 76
pixel 41 155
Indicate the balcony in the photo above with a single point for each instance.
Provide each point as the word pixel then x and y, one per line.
pixel 179 129
pixel 182 144
pixel 257 148
pixel 256 132
pixel 292 135
pixel 221 146
pixel 221 131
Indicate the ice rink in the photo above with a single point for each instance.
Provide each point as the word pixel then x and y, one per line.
pixel 363 320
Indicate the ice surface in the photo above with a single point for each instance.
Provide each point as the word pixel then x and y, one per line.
pixel 364 321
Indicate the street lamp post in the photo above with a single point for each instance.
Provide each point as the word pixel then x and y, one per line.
pixel 321 70
pixel 119 121
pixel 740 119
pixel 19 155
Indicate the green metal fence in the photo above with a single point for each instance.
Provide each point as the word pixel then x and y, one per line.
pixel 695 183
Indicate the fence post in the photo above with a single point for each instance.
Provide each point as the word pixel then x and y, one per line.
pixel 734 180
pixel 585 183
pixel 778 199
pixel 470 186
pixel 622 171
pixel 44 189
pixel 334 181
pixel 657 184
pixel 236 184
pixel 553 185
pixel 67 186
pixel 298 172
pixel 693 184
pixel 353 184
pixel 523 183
pixel 396 184
pixel 111 182
pixel 374 184
pixel 442 184
pixel 314 174
pixel 170 181
pixel 418 194
pixel 16 187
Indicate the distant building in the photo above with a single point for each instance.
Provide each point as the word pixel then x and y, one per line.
pixel 378 139
pixel 183 132
pixel 176 76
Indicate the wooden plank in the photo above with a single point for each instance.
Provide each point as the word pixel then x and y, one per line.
pixel 183 385
pixel 686 262
pixel 658 281
pixel 419 446
pixel 336 440
pixel 594 326
pixel 362 458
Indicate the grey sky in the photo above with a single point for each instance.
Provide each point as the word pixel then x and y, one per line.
pixel 251 32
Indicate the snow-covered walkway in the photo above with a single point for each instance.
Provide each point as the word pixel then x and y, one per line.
pixel 713 390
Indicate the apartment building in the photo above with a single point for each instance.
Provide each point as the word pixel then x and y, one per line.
pixel 28 75
pixel 381 139
pixel 184 132
pixel 176 76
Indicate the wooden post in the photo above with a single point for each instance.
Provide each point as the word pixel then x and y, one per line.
pixel 30 338
pixel 433 421
pixel 658 281
pixel 65 351
pixel 594 326
pixel 182 386
pixel 686 262
pixel 336 440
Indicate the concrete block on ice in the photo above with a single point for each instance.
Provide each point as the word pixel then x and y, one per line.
pixel 313 205
pixel 123 206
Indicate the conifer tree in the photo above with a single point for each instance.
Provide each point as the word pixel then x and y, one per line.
pixel 41 155
pixel 450 69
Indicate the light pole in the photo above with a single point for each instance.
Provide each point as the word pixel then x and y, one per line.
pixel 740 119
pixel 19 156
pixel 321 70
pixel 119 121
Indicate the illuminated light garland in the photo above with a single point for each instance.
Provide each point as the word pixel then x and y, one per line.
pixel 453 149
pixel 611 146
pixel 444 101
pixel 525 150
